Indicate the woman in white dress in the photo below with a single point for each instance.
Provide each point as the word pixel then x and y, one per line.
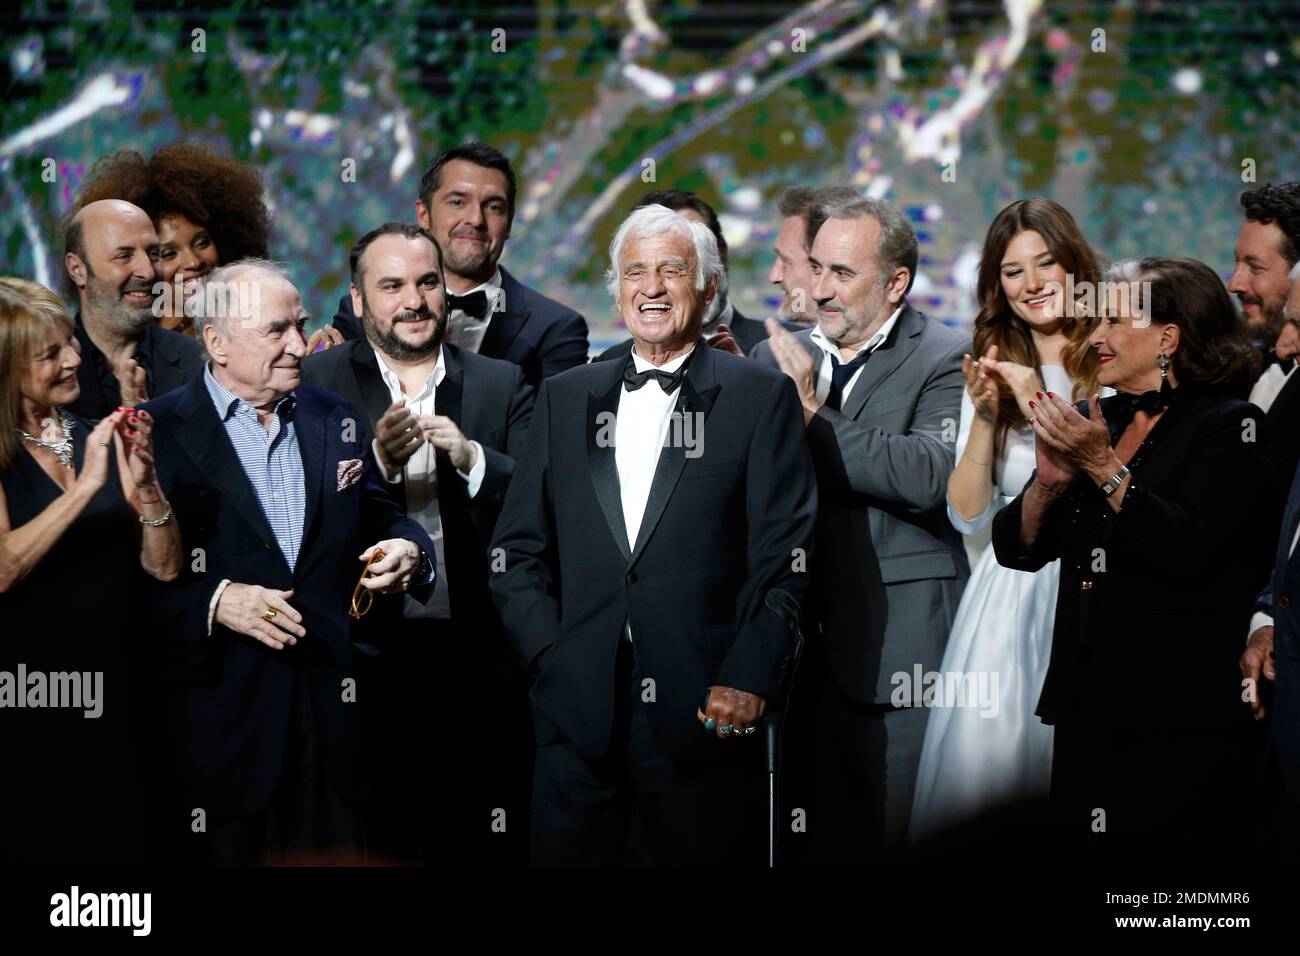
pixel 991 749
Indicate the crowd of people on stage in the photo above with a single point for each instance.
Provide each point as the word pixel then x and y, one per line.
pixel 432 586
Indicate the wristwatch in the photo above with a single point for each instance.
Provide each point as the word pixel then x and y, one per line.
pixel 1114 481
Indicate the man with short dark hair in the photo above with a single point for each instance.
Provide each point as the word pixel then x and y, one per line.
pixel 111 253
pixel 1266 252
pixel 790 268
pixel 447 425
pixel 467 202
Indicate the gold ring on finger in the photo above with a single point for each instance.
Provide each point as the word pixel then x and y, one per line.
pixel 270 614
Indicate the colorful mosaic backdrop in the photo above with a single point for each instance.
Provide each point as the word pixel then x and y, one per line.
pixel 1145 118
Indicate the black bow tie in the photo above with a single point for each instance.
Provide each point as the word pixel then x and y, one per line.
pixel 1285 364
pixel 475 303
pixel 1150 402
pixel 632 379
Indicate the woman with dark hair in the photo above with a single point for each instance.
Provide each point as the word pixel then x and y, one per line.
pixel 1158 503
pixel 982 753
pixel 80 514
pixel 208 211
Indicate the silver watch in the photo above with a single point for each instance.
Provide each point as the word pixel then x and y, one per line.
pixel 1114 481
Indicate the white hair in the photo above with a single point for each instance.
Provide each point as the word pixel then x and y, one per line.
pixel 655 220
pixel 223 297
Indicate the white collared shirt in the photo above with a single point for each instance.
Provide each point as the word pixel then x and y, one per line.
pixel 639 432
pixel 467 332
pixel 421 477
pixel 1266 390
pixel 829 349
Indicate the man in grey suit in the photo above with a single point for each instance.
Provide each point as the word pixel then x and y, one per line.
pixel 881 389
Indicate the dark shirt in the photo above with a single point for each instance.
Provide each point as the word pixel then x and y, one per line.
pixel 169 360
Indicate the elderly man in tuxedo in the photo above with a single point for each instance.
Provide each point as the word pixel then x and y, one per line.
pixel 1271 661
pixel 466 200
pixel 880 386
pixel 282 513
pixel 448 425
pixel 653 545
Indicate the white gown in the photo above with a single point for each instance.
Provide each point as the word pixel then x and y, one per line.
pixel 971 762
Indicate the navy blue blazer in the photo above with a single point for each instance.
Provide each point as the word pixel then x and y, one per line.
pixel 234 698
pixel 1282 600
pixel 538 334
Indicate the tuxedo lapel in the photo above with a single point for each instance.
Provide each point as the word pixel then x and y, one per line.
pixel 884 360
pixel 695 397
pixel 504 326
pixel 602 412
pixel 205 441
pixel 374 394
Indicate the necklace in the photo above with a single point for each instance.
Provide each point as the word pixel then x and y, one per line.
pixel 62 448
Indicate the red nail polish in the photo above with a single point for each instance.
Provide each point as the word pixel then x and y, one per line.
pixel 1038 394
pixel 1032 405
pixel 1050 395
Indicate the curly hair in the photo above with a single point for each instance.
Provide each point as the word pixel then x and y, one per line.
pixel 1280 203
pixel 216 192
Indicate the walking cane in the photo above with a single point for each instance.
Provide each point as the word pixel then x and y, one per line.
pixel 772 723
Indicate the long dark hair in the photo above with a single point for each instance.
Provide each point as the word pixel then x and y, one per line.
pixel 996 323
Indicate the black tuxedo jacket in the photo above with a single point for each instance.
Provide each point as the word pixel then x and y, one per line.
pixel 538 334
pixel 234 702
pixel 747 332
pixel 174 360
pixel 1283 418
pixel 712 587
pixel 1155 599
pixel 1281 599
pixel 493 405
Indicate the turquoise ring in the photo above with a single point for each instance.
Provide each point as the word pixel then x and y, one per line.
pixel 710 723
pixel 725 730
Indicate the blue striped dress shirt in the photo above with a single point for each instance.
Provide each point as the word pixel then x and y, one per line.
pixel 271 460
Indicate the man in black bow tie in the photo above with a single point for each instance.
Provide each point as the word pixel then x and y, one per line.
pixel 654 546
pixel 467 201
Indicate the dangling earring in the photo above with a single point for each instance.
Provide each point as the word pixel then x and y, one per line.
pixel 1166 390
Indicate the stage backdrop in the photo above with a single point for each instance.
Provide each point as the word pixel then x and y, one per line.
pixel 1145 118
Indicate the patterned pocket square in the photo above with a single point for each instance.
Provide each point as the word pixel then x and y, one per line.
pixel 349 473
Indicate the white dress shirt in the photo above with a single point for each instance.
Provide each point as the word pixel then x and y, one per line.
pixel 467 332
pixel 829 349
pixel 640 428
pixel 421 476
pixel 1266 390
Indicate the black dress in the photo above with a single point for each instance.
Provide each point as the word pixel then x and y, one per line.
pixel 69 788
pixel 1155 600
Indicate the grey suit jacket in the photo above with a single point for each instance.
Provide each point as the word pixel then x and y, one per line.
pixel 890 568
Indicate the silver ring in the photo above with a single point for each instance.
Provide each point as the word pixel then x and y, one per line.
pixel 725 730
pixel 749 729
pixel 105 444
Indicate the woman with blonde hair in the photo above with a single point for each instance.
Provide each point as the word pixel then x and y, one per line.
pixel 988 748
pixel 80 513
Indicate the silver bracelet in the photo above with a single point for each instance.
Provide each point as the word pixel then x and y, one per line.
pixel 157 522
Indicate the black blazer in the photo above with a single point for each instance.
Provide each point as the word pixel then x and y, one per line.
pixel 747 332
pixel 1283 418
pixel 538 334
pixel 1281 599
pixel 1155 600
pixel 233 705
pixel 174 360
pixel 493 405
pixel 712 587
